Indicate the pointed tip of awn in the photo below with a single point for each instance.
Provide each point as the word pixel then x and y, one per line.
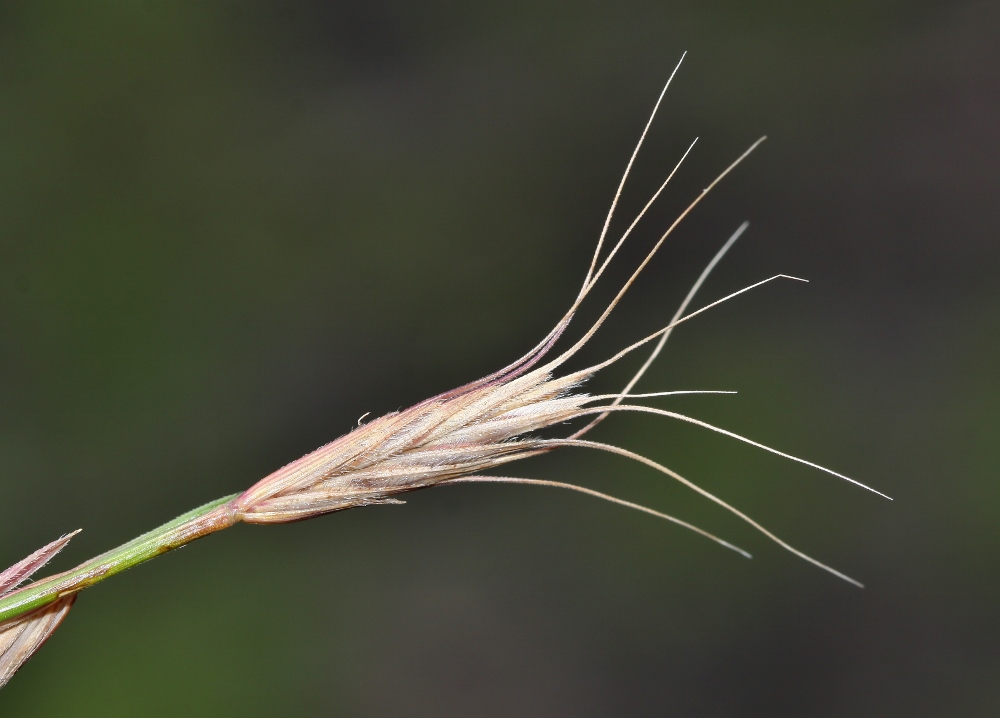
pixel 844 576
pixel 737 549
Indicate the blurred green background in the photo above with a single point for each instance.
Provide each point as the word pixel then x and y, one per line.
pixel 229 229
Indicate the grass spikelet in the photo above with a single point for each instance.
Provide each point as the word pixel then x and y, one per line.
pixel 490 422
pixel 461 436
pixel 20 637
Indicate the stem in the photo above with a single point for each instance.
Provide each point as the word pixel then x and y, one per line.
pixel 211 517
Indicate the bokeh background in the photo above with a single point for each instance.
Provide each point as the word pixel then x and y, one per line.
pixel 229 229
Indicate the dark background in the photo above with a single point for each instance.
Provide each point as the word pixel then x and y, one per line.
pixel 229 229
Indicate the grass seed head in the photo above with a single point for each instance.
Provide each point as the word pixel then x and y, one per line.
pixel 460 436
pixel 457 436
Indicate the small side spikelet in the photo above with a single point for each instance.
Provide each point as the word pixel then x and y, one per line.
pixel 22 570
pixel 22 636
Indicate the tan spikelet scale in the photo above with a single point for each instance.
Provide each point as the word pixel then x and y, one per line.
pixel 20 638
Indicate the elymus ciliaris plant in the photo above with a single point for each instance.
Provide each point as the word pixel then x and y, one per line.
pixel 464 435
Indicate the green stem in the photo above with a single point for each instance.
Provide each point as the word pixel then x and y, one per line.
pixel 211 517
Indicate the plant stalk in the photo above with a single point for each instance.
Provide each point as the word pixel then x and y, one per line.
pixel 213 516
